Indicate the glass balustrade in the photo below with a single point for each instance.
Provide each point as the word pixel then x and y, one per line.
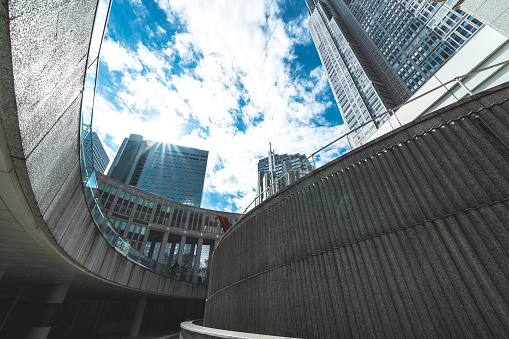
pixel 87 162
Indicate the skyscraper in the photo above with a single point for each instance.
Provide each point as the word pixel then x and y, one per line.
pixel 100 159
pixel 378 53
pixel 171 171
pixel 274 166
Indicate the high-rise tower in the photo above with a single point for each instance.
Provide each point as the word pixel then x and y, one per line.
pixel 275 166
pixel 171 171
pixel 93 145
pixel 378 53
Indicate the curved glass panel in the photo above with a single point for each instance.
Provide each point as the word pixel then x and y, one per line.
pixel 87 161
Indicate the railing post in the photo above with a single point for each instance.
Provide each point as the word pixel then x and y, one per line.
pixel 464 87
pixel 349 143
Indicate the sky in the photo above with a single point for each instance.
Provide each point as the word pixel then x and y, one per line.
pixel 224 76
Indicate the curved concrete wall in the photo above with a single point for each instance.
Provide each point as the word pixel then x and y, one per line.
pixel 406 236
pixel 44 49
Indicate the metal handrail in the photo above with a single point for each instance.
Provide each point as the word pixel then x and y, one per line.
pixel 390 111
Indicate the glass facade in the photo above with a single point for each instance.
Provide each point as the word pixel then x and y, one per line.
pixel 179 237
pixel 378 53
pixel 168 170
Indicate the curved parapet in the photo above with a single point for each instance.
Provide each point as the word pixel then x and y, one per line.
pixel 47 231
pixel 406 236
pixel 194 330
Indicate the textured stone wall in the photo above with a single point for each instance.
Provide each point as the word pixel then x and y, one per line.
pixel 42 66
pixel 407 236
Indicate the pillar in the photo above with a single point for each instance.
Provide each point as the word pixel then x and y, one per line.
pixel 2 272
pixel 138 317
pixel 145 240
pixel 151 250
pixel 181 249
pixel 162 251
pixel 52 303
pixel 172 253
pixel 198 257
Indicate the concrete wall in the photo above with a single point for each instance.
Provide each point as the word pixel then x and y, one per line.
pixel 43 57
pixel 406 236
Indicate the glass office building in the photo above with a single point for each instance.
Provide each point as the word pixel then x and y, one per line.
pixel 92 144
pixel 378 53
pixel 168 170
pixel 275 166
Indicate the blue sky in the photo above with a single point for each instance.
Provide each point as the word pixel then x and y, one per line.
pixel 225 76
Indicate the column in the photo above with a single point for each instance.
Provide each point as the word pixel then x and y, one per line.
pixel 2 272
pixel 52 303
pixel 172 253
pixel 114 201
pixel 189 262
pixel 138 317
pixel 160 257
pixel 181 249
pixel 151 250
pixel 198 257
pixel 187 220
pixel 145 240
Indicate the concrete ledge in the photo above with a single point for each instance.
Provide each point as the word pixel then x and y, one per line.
pixel 194 330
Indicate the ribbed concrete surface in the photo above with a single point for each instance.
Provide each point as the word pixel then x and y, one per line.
pixel 407 236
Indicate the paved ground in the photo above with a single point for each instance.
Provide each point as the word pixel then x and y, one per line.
pixel 150 335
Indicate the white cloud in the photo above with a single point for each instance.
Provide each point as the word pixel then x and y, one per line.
pixel 153 60
pixel 119 58
pixel 299 32
pixel 241 92
pixel 160 30
pixel 183 45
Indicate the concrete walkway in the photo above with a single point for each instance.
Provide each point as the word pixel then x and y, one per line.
pixel 148 335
